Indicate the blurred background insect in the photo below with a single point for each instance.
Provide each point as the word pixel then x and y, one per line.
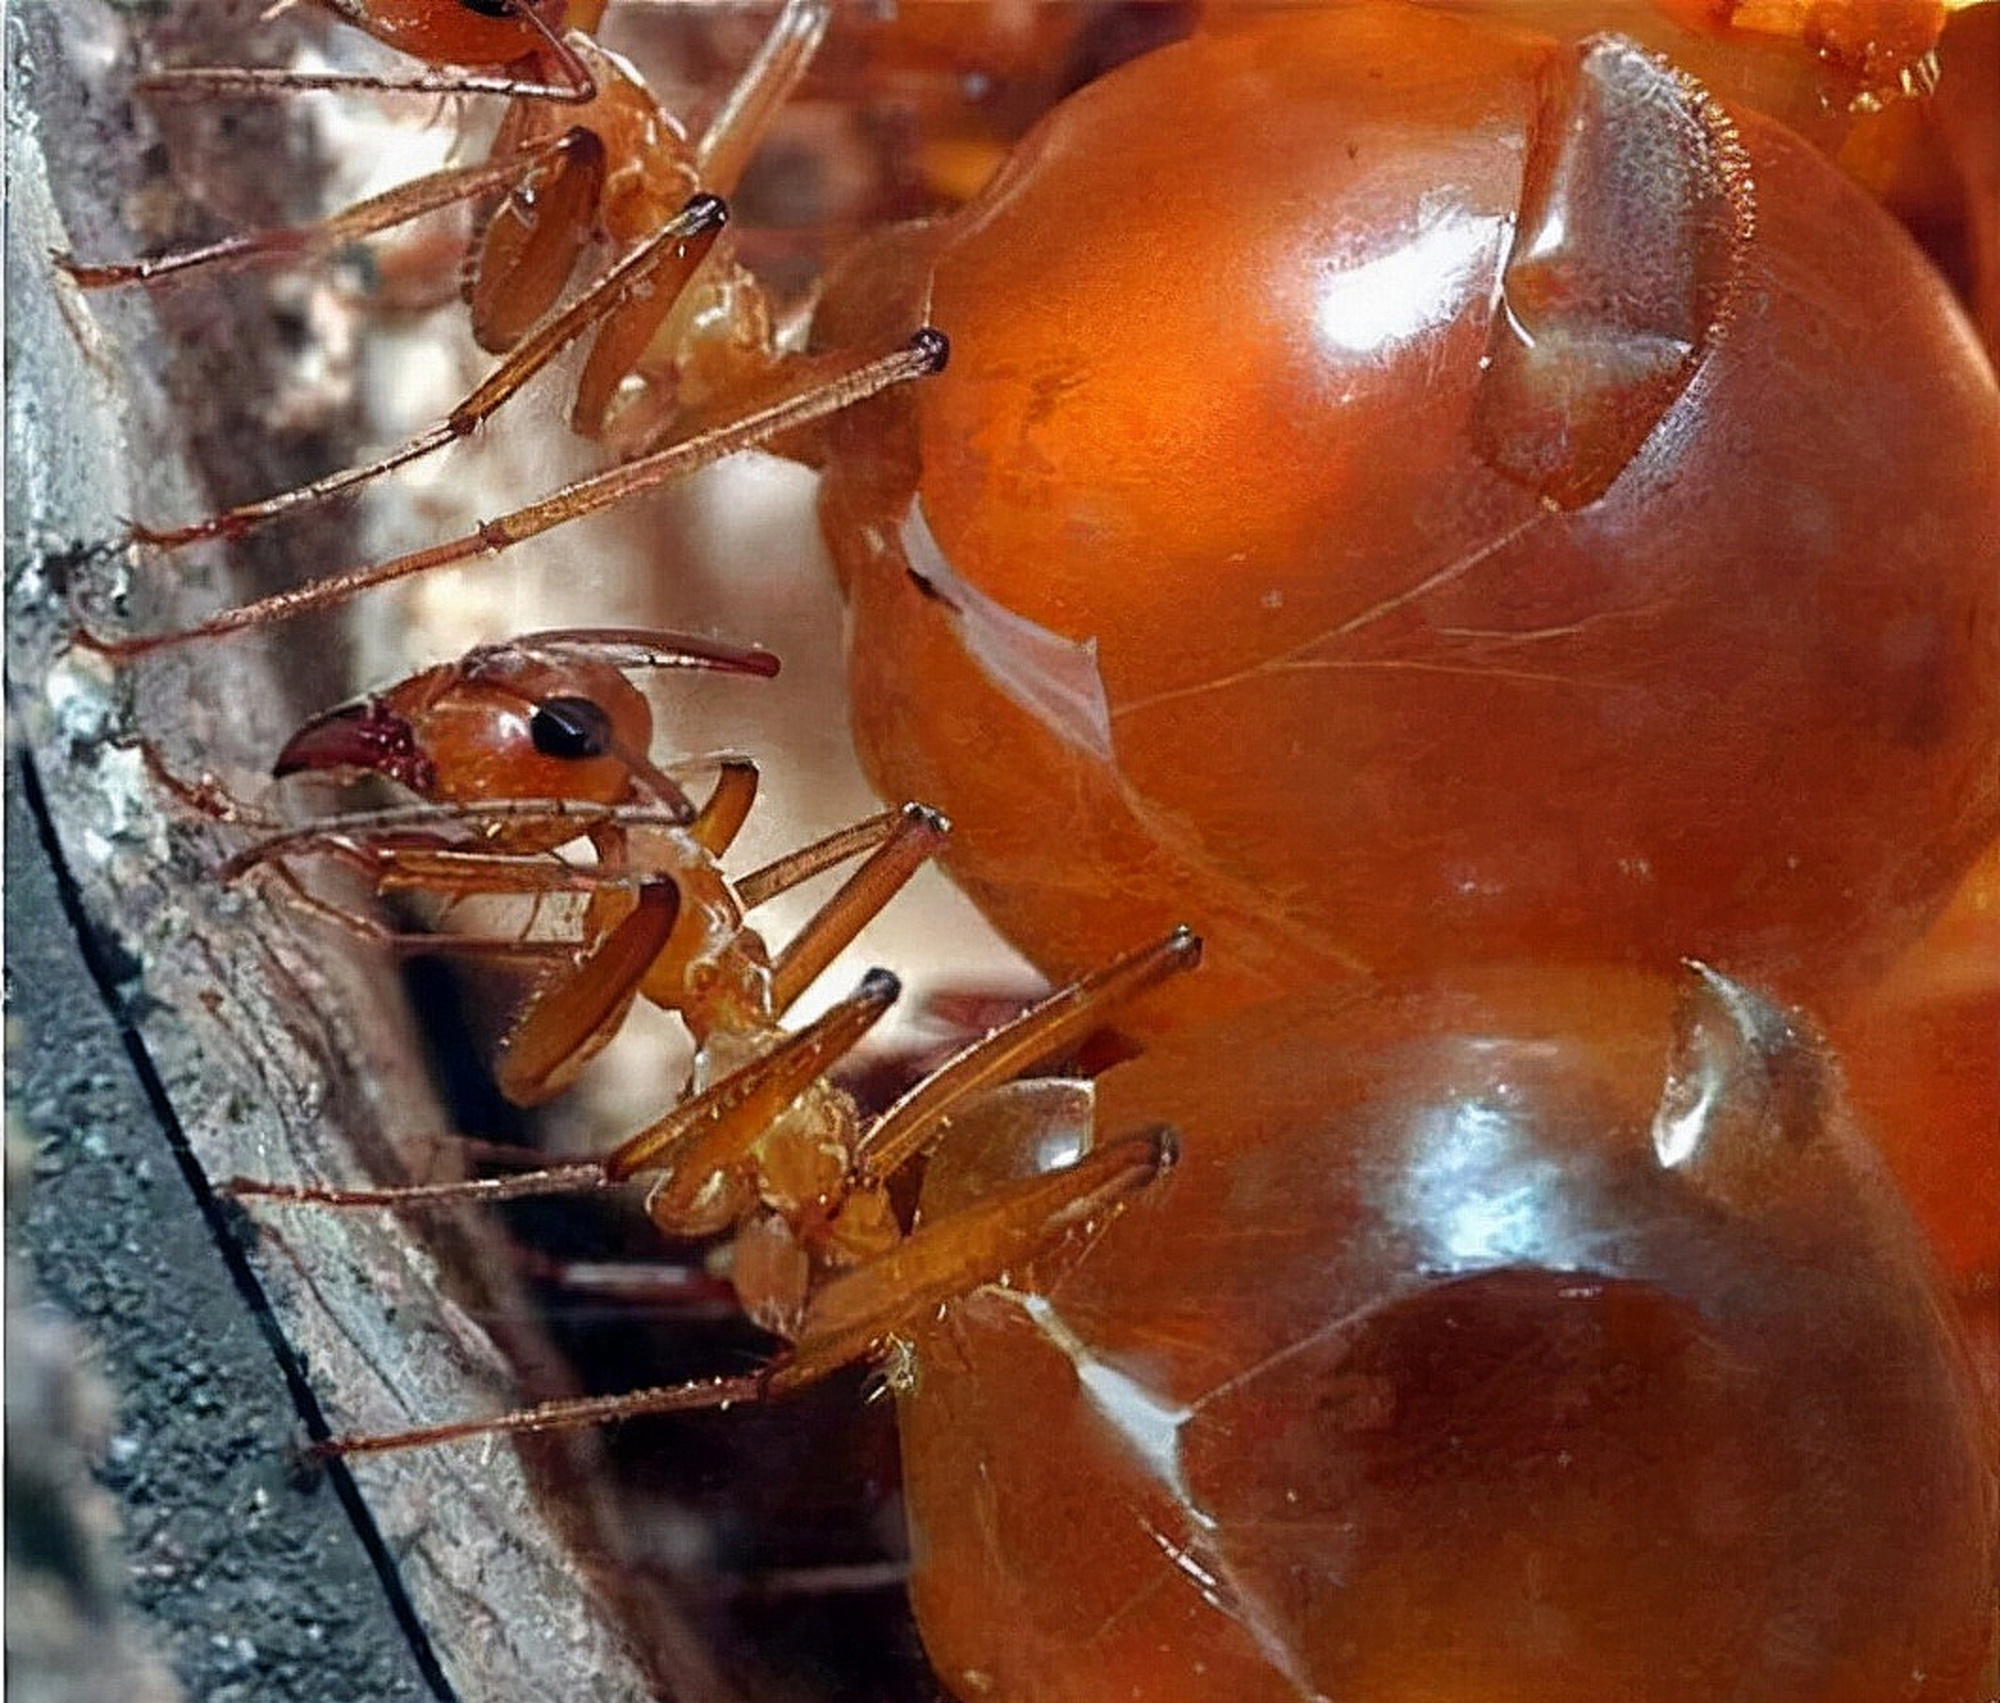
pixel 1730 898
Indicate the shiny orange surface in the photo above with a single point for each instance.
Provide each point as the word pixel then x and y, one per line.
pixel 1922 1054
pixel 450 33
pixel 477 726
pixel 1469 522
pixel 1229 553
pixel 1512 1336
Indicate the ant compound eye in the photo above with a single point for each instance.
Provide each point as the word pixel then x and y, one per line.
pixel 491 8
pixel 570 727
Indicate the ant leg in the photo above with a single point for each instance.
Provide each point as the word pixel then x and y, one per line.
pixel 395 851
pixel 387 868
pixel 855 1313
pixel 563 819
pixel 851 382
pixel 458 874
pixel 208 797
pixel 205 796
pixel 737 129
pixel 703 1138
pixel 572 1020
pixel 527 249
pixel 580 1178
pixel 374 933
pixel 650 278
pixel 565 1415
pixel 423 863
pixel 407 201
pixel 710 1135
pixel 721 819
pixel 630 303
pixel 532 1177
pixel 919 834
pixel 1046 1031
pixel 781 876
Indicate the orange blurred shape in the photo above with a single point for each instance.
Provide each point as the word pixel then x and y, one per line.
pixel 1923 1063
pixel 1881 43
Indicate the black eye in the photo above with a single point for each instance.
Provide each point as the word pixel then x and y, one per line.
pixel 490 8
pixel 570 727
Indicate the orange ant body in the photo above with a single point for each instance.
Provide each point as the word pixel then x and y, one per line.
pixel 1293 1516
pixel 1543 398
pixel 522 748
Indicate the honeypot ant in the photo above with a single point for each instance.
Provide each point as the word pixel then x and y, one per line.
pixel 1752 1024
pixel 1572 1171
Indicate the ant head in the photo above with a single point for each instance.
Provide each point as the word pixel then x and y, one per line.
pixel 491 726
pixel 549 716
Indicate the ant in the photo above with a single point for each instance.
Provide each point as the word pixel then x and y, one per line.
pixel 685 365
pixel 518 750
pixel 584 155
pixel 1508 468
pixel 691 362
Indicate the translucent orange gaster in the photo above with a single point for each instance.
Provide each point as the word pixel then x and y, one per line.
pixel 1408 491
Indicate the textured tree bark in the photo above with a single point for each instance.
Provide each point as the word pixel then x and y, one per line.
pixel 265 1047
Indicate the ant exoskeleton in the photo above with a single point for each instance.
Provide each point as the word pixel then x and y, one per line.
pixel 521 749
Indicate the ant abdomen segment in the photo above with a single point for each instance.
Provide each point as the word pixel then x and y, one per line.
pixel 1469 471
pixel 1498 1299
